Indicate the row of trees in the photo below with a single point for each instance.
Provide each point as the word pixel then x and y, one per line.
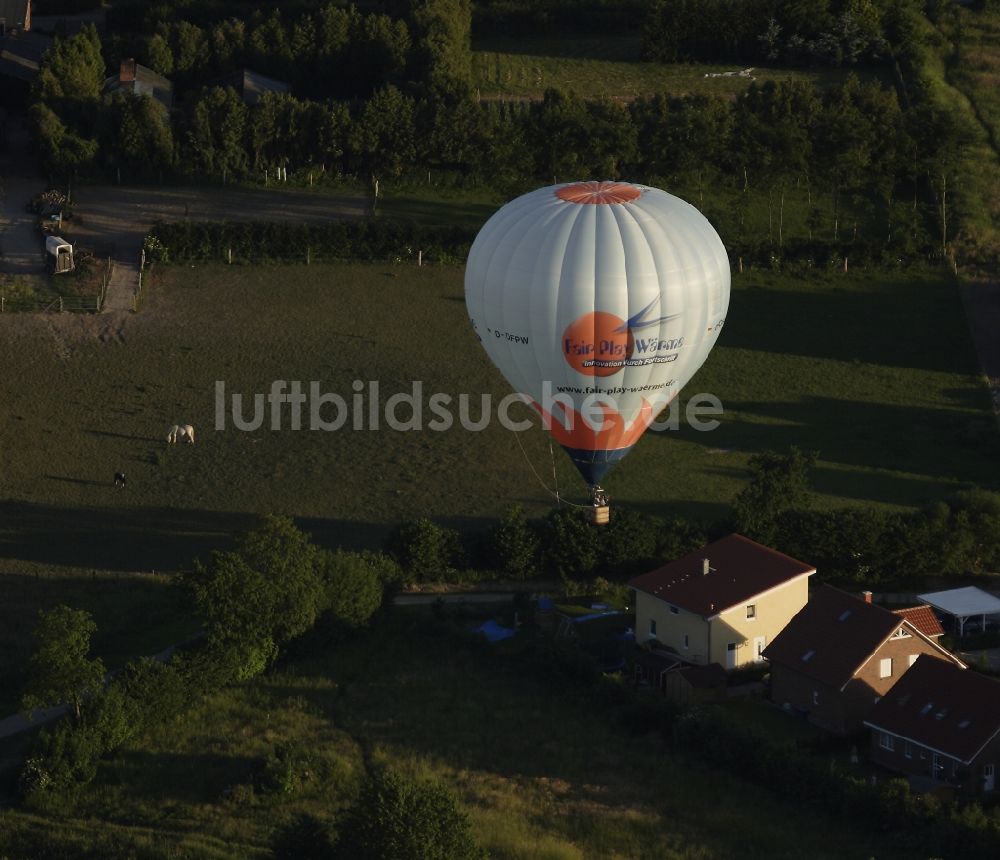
pixel 334 52
pixel 273 587
pixel 850 546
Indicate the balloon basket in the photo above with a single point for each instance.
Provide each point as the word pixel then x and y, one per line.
pixel 599 515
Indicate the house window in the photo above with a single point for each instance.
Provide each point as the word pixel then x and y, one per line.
pixel 913 658
pixel 815 697
pixel 923 754
pixel 652 626
pixel 751 610
pixel 685 641
pixel 887 742
pixel 674 610
pixel 908 750
pixel 885 668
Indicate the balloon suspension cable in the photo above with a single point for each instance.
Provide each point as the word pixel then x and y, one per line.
pixel 555 478
pixel 545 487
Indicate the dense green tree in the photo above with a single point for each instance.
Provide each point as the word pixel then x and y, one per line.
pixel 60 671
pixel 189 47
pixel 72 69
pixel 514 545
pixel 443 43
pixel 558 132
pixel 227 43
pixel 260 595
pixel 353 587
pixel 61 151
pixel 137 134
pixel 397 817
pixel 384 133
pixel 778 483
pixel 571 547
pixel 216 132
pixel 611 141
pixel 159 56
pixel 426 551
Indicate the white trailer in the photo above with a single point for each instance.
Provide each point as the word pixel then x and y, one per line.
pixel 61 252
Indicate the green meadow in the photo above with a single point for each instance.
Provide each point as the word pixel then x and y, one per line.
pixel 541 772
pixel 874 371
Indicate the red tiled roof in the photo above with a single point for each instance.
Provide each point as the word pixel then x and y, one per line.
pixel 938 705
pixel 923 618
pixel 739 569
pixel 832 636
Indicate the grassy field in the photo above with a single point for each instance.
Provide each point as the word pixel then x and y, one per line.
pixel 874 372
pixel 542 774
pixel 606 67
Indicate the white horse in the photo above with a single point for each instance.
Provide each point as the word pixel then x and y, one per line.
pixel 187 434
pixel 172 433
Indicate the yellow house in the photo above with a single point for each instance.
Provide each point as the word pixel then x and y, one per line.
pixel 721 604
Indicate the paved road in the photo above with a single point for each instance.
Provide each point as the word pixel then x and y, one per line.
pixel 21 248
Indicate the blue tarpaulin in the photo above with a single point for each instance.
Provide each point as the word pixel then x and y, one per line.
pixel 494 632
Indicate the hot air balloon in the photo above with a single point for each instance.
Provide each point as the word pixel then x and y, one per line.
pixel 598 301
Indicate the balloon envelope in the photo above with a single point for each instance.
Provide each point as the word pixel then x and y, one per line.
pixel 598 301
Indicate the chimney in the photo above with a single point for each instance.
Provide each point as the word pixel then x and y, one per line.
pixel 704 567
pixel 126 73
pixel 867 595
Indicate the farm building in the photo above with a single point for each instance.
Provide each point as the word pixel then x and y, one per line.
pixel 250 86
pixel 15 16
pixel 20 57
pixel 940 725
pixel 721 604
pixel 141 81
pixel 839 654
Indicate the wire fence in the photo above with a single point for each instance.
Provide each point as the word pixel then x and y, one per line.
pixel 60 304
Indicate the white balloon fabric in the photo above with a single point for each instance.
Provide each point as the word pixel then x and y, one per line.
pixel 598 301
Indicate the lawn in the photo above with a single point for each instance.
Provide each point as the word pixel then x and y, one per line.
pixel 608 67
pixel 876 372
pixel 542 773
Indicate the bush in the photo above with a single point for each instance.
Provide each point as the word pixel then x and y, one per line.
pixel 399 817
pixel 257 242
pixel 425 551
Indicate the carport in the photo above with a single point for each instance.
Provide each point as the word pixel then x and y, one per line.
pixel 963 604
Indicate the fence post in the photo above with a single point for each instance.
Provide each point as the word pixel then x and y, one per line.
pixel 420 258
pixel 308 254
pixel 1 304
pixel 60 304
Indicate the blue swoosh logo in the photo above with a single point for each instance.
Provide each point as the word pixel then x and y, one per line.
pixel 638 321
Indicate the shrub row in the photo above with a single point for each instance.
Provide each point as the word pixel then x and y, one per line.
pixel 374 240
